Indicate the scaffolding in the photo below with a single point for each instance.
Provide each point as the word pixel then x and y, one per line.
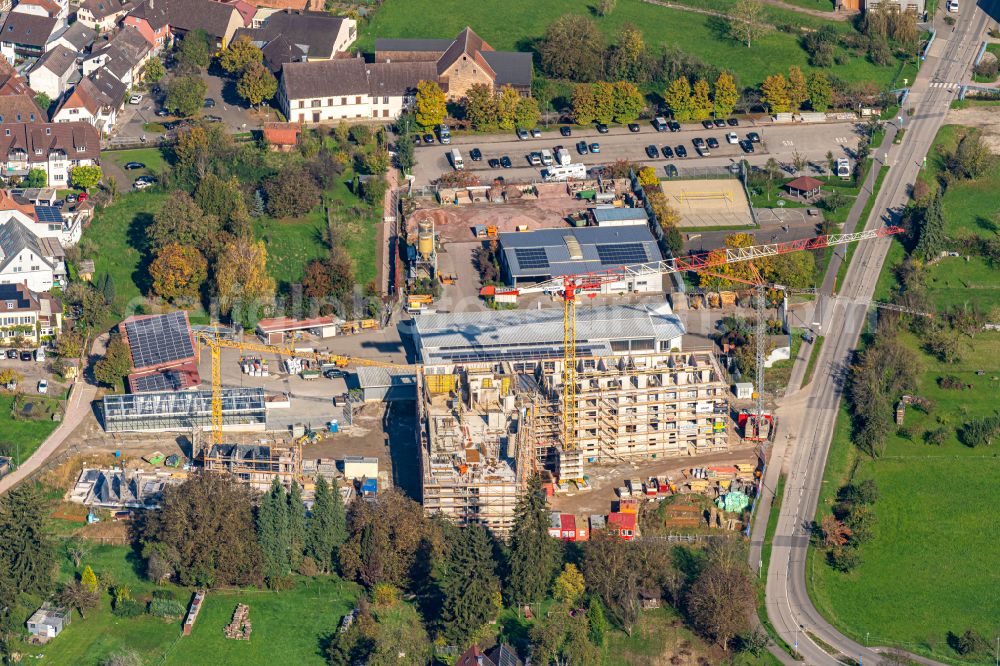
pixel 256 465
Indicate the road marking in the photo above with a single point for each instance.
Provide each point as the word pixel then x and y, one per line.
pixel 788 143
pixel 841 139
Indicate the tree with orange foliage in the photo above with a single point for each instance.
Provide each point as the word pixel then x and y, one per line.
pixel 178 272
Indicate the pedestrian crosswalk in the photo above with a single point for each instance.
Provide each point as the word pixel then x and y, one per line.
pixel 942 84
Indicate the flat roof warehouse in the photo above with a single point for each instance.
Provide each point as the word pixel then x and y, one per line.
pixel 546 253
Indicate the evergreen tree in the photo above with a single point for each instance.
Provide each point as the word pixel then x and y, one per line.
pixel 89 579
pixel 296 525
pixel 470 590
pixel 27 555
pixel 534 554
pixel 257 204
pixel 598 623
pixel 327 527
pixel 273 532
pixel 932 236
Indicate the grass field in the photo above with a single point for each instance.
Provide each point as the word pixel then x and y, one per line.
pixel 153 158
pixel 288 626
pixel 25 436
pixel 518 24
pixel 934 553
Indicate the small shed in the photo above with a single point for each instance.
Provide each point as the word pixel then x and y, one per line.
pixel 386 384
pixel 358 467
pixel 623 525
pixel 743 390
pixel 805 188
pixel 48 621
pixel 277 330
pixel 281 137
pixel 85 270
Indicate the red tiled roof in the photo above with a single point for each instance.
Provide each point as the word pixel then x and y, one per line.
pixel 282 134
pixel 804 184
pixel 621 520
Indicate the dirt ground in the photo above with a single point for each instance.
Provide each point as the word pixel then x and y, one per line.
pixel 604 479
pixel 457 223
pixel 986 118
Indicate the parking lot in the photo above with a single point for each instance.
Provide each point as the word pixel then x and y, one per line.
pixel 811 141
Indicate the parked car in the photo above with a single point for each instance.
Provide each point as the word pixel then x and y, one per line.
pixel 651 152
pixel 475 155
pixel 697 141
pixel 681 151
pixel 428 139
pixel 703 151
pixel 746 145
pixel 26 356
pixel 83 196
pixel 162 113
pixel 712 142
pixel 134 165
pixel 71 198
pixel 135 99
pixel 754 137
pixel 59 203
pixel 566 130
pixel 707 124
pixel 581 147
pixel 493 163
pixel 43 386
pixel 674 126
pixel 671 171
pixel 209 103
pixel 733 122
pixel 595 147
pixel 633 127
pixel 602 128
pixel 667 151
pixel 334 373
pixel 535 158
pixel 522 134
pixel 720 122
pixel 505 162
pixel 536 133
pixel 417 140
pixel 12 354
pixel 733 138
pixel 217 119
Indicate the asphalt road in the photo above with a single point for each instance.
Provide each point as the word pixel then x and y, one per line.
pixel 808 416
pixel 781 142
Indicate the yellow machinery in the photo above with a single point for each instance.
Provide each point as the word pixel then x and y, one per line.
pixel 216 343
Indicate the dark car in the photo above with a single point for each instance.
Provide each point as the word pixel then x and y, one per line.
pixel 747 146
pixel 27 356
pixel 754 137
pixel 494 163
pixel 334 373
pixel 475 155
pixel 59 203
pixel 712 142
pixel 428 138
pixel 697 142
pixel 674 126
pixel 134 165
pixel 595 147
pixel 667 151
pixel 417 140
pixel 581 147
pixel 681 151
pixel 707 124
pixel 651 152
pixel 733 122
pixel 162 113
pixel 11 353
pixel 633 127
pixel 213 119
pixel 209 103
pixel 602 128
pixel 565 130
pixel 671 171
pixel 719 122
pixel 505 162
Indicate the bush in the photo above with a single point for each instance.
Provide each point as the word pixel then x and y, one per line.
pixel 980 432
pixel 128 608
pixel 164 594
pixel 308 567
pixel 937 437
pixel 986 69
pixel 165 608
pixel 844 558
pixel 969 643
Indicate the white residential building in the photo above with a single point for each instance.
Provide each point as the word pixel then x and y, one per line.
pixel 52 73
pixel 52 147
pixel 26 259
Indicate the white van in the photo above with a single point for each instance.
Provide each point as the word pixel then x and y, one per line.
pixel 456 159
pixel 547 157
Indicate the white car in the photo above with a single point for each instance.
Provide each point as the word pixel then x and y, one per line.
pixel 733 138
pixel 952 6
pixel 43 386
pixel 135 99
pixel 142 184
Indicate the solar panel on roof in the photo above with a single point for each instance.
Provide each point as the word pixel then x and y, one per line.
pixel 623 253
pixel 158 340
pixel 161 381
pixel 48 214
pixel 531 257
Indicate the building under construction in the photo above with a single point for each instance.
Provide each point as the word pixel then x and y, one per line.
pixel 256 465
pixel 491 408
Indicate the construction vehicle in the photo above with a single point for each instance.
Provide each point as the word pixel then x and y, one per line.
pixel 571 287
pixel 215 345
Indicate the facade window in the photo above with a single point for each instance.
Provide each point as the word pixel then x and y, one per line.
pixel 357 100
pixel 329 101
pixel 316 103
pixel 385 100
pixel 343 101
pixel 302 117
pixel 374 113
pixel 302 104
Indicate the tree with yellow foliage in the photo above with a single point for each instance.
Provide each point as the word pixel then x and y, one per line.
pixel 244 287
